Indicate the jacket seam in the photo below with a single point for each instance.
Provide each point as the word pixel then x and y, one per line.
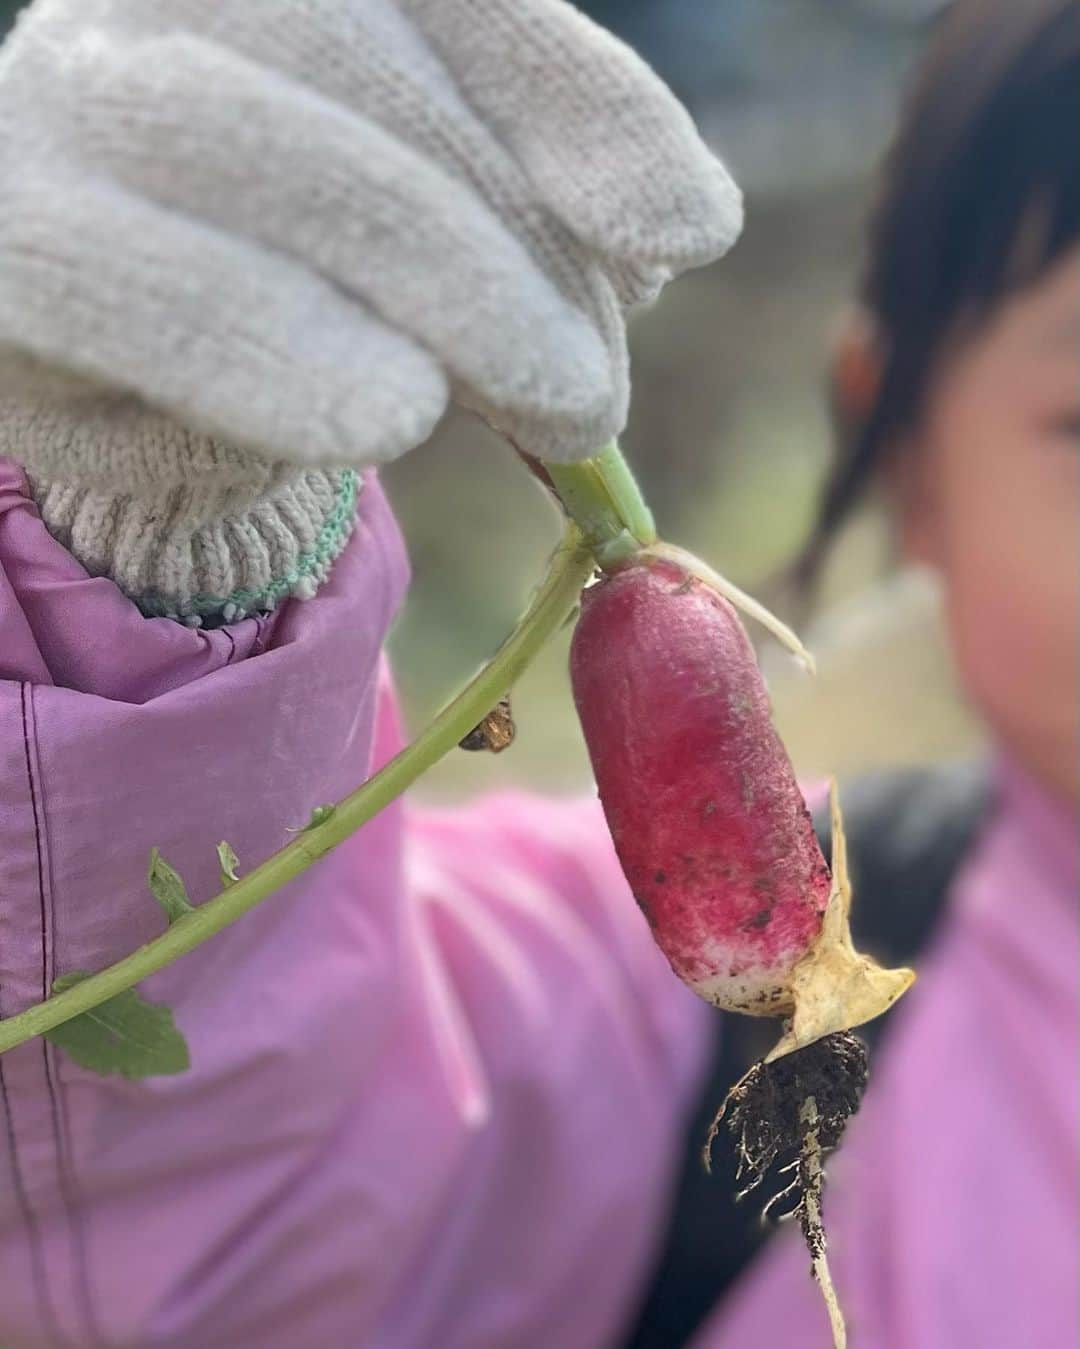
pixel 39 1271
pixel 67 1187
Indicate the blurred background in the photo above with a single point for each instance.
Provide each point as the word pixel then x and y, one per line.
pixel 729 429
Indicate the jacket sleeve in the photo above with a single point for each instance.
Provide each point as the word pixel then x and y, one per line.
pixel 560 1058
pixel 437 1084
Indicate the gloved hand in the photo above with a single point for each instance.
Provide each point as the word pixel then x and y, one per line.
pixel 242 240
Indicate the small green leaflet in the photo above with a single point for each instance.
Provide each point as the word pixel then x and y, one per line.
pixel 228 862
pixel 125 1035
pixel 318 816
pixel 168 888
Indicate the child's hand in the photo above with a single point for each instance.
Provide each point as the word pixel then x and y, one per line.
pixel 297 227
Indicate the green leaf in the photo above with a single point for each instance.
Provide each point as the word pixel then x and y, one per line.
pixel 168 888
pixel 125 1035
pixel 318 816
pixel 229 862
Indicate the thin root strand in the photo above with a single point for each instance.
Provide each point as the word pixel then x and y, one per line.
pixel 812 1176
pixel 784 1117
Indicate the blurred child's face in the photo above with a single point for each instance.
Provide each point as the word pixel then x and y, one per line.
pixel 991 499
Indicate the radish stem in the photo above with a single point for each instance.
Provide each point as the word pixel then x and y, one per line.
pixel 622 486
pixel 570 567
pixel 602 498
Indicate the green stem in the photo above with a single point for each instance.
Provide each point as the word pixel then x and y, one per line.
pixel 601 496
pixel 570 568
pixel 626 494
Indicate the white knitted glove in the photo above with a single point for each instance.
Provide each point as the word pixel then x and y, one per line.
pixel 244 242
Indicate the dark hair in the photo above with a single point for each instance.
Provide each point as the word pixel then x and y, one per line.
pixel 979 195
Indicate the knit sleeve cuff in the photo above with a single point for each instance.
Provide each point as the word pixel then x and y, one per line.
pixel 175 562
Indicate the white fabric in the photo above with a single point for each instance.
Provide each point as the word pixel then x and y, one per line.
pixel 299 227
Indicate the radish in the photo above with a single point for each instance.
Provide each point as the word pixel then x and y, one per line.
pixel 711 829
pixel 703 807
pixel 719 850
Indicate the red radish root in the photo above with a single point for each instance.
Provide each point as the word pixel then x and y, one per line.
pixel 711 829
pixel 707 818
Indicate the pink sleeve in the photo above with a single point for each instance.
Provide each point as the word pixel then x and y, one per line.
pixel 560 1056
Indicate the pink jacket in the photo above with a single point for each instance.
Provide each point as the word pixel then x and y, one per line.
pixel 438 1084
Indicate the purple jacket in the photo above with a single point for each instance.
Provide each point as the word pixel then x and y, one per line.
pixel 438 1083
